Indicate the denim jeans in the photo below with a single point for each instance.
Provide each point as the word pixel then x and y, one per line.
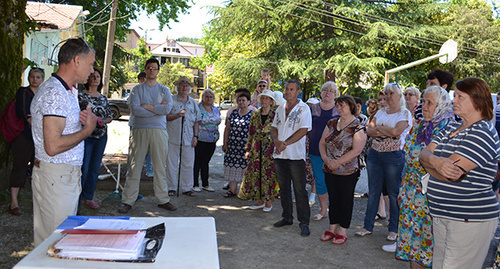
pixel 380 166
pixel 94 149
pixel 288 171
pixel 148 164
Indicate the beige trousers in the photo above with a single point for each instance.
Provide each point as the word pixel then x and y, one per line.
pixel 56 189
pixel 460 244
pixel 187 166
pixel 142 140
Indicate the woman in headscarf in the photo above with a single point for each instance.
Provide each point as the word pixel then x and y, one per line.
pixel 415 240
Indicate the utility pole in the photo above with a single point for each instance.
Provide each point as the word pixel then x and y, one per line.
pixel 109 48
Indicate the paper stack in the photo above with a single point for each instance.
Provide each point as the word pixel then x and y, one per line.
pixel 101 246
pixel 103 239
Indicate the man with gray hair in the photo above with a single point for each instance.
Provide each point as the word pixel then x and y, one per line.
pixel 150 102
pixel 58 135
pixel 182 127
pixel 288 130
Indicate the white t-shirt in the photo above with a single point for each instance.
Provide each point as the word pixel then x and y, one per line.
pixel 386 144
pixel 300 117
pixel 53 98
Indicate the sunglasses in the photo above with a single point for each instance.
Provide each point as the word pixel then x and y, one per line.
pixel 463 176
pixel 262 86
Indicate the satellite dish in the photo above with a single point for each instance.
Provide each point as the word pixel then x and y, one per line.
pixel 450 48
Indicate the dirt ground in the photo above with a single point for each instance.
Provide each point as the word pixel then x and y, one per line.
pixel 246 238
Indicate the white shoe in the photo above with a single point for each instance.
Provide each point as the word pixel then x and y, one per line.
pixel 390 248
pixel 208 188
pixel 149 173
pixel 196 189
pixel 254 207
pixel 267 209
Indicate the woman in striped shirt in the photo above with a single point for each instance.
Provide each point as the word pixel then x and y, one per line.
pixel 462 162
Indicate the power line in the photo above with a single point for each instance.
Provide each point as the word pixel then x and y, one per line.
pixel 353 31
pixel 357 22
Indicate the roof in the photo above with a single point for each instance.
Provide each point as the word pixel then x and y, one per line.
pixel 53 16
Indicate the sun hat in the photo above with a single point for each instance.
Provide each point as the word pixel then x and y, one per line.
pixel 184 79
pixel 312 100
pixel 267 93
pixel 278 98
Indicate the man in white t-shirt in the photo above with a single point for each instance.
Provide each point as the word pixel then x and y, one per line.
pixel 291 123
pixel 58 129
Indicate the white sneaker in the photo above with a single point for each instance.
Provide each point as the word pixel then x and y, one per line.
pixel 390 248
pixel 208 188
pixel 267 209
pixel 149 173
pixel 196 189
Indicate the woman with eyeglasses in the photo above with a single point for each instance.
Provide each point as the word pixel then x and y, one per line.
pixel 95 143
pixel 385 160
pixel 412 98
pixel 321 113
pixel 462 162
pixel 415 240
pixel 23 148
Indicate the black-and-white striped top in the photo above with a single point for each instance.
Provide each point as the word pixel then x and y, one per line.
pixel 472 199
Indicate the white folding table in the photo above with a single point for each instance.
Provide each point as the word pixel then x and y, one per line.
pixel 189 243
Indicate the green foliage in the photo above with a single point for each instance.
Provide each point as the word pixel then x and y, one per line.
pixel 192 40
pixel 165 10
pixel 13 26
pixel 351 42
pixel 169 73
pixel 137 60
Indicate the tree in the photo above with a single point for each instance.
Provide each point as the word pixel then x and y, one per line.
pixel 96 24
pixel 351 42
pixel 13 27
pixel 170 73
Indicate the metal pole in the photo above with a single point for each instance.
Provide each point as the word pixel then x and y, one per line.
pixel 408 65
pixel 109 48
pixel 180 158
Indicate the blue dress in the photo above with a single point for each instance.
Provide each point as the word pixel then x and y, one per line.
pixel 235 163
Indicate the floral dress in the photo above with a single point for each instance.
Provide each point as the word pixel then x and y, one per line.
pixel 234 159
pixel 415 237
pixel 259 182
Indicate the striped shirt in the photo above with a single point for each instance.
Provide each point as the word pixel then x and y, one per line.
pixel 472 199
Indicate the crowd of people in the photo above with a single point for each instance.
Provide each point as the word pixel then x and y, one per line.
pixel 434 158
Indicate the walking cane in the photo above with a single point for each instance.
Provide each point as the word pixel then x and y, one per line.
pixel 180 157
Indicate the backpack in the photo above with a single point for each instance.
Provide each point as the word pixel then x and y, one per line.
pixel 11 125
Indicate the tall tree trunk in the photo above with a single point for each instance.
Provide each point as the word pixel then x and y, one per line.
pixel 12 30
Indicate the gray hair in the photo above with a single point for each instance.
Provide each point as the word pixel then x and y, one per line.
pixel 176 89
pixel 333 85
pixel 415 91
pixel 394 87
pixel 209 91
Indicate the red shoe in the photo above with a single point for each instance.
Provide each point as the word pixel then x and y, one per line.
pixel 339 237
pixel 327 236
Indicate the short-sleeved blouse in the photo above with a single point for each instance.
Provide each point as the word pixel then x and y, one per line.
pixel 339 143
pixel 209 125
pixel 473 198
pixel 100 107
pixel 387 144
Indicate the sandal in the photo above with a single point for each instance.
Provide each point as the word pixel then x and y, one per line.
pixel 378 217
pixel 91 204
pixel 327 236
pixel 171 193
pixel 340 237
pixel 229 194
pixel 189 193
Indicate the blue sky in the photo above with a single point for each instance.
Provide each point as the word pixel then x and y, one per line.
pixel 189 25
